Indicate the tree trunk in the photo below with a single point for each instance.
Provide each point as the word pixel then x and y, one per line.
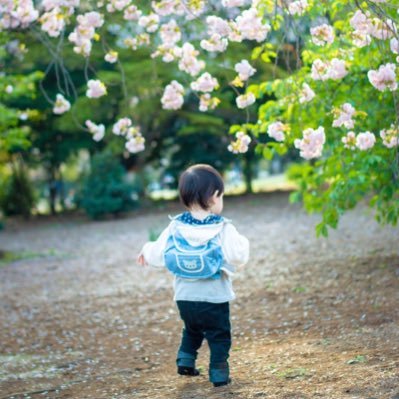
pixel 52 188
pixel 248 172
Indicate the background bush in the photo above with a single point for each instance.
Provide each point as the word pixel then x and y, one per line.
pixel 104 189
pixel 16 192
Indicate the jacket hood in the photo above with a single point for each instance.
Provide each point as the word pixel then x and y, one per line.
pixel 198 233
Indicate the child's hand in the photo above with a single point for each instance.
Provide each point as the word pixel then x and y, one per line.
pixel 141 261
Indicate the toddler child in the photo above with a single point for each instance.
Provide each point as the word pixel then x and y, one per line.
pixel 201 248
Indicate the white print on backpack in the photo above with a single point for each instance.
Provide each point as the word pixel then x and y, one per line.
pixel 193 262
pixel 190 264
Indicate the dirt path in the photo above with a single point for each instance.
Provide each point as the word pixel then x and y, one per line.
pixel 314 318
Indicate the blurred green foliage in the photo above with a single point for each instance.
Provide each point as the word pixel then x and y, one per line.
pixel 104 189
pixel 16 191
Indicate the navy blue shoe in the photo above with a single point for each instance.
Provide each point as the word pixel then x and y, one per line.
pixel 191 371
pixel 223 383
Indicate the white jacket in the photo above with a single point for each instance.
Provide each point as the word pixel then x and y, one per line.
pixel 235 248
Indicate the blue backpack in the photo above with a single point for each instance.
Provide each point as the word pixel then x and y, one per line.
pixel 193 262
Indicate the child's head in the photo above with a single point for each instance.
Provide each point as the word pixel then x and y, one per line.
pixel 201 186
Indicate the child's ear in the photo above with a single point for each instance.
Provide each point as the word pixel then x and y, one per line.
pixel 215 195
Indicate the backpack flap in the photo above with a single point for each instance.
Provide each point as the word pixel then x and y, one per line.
pixel 193 262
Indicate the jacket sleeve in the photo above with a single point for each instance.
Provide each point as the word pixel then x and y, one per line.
pixel 153 250
pixel 235 246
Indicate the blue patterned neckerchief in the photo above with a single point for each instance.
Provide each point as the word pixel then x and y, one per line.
pixel 187 218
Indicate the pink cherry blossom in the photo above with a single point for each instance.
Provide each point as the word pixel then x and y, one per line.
pixel 132 13
pixel 390 137
pixel 117 5
pixel 276 130
pixel 205 83
pixel 111 57
pixel 84 32
pixel 250 25
pixel 343 116
pixel 165 7
pixel 143 39
pixel 337 69
pixel 97 131
pixel 218 25
pixel 322 34
pixel 384 78
pixel 245 100
pixel 334 69
pixel 214 43
pixel 233 3
pixel 135 140
pixel 121 127
pixel 208 102
pixel 394 45
pixel 319 70
pixel 14 14
pixel 365 141
pixel 244 70
pixel 173 96
pixel 306 94
pixel 170 33
pixel 311 145
pixel 360 39
pixel 193 9
pixel 96 89
pixel 92 19
pixel 382 29
pixel 135 145
pixel 241 144
pixel 349 140
pixel 298 7
pixel 53 22
pixel 188 61
pixel 361 22
pixel 149 22
pixel 234 35
pixel 167 53
pixel 61 105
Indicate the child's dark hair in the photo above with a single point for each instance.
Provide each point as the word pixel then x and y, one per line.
pixel 198 184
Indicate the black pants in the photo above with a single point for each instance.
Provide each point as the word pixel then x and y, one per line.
pixel 212 322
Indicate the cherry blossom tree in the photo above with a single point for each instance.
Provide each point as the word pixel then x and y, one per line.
pixel 338 107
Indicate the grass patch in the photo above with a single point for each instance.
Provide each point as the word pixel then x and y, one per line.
pixel 299 289
pixel 294 373
pixel 357 359
pixel 7 257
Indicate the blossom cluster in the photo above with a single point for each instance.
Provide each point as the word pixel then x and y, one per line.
pixel 277 130
pixel 384 78
pixel 17 14
pixel 205 83
pixel 61 105
pixel 306 94
pixel 297 7
pixel 365 26
pixel 241 143
pixel 322 34
pixel 84 32
pixel 334 69
pixel 98 131
pixel 173 96
pixel 343 116
pixel 312 142
pixel 363 141
pixel 134 139
pixel 236 25
pixel 390 137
